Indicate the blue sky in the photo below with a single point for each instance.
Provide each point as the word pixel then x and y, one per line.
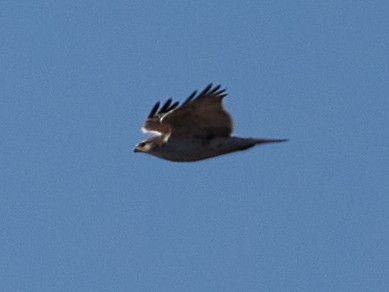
pixel 80 211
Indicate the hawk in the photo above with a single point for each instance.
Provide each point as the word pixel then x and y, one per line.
pixel 197 129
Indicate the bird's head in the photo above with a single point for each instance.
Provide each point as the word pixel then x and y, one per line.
pixel 145 146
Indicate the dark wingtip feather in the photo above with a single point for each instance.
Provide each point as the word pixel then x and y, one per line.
pixel 215 89
pixel 154 110
pixel 174 105
pixel 205 90
pixel 190 97
pixel 166 106
pixel 221 92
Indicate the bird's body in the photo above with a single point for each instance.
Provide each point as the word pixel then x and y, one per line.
pixel 187 150
pixel 199 129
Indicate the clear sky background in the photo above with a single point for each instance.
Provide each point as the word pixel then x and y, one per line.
pixel 79 211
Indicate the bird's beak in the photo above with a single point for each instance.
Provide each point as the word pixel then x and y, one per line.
pixel 136 149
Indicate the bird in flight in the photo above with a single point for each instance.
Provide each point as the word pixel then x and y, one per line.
pixel 197 129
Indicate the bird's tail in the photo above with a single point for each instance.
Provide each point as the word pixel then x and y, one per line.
pixel 265 141
pixel 245 143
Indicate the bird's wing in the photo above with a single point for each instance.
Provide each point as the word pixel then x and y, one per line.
pixel 200 115
pixel 153 122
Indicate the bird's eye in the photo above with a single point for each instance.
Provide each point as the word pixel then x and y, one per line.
pixel 142 144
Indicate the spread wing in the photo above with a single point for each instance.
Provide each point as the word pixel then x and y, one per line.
pixel 199 115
